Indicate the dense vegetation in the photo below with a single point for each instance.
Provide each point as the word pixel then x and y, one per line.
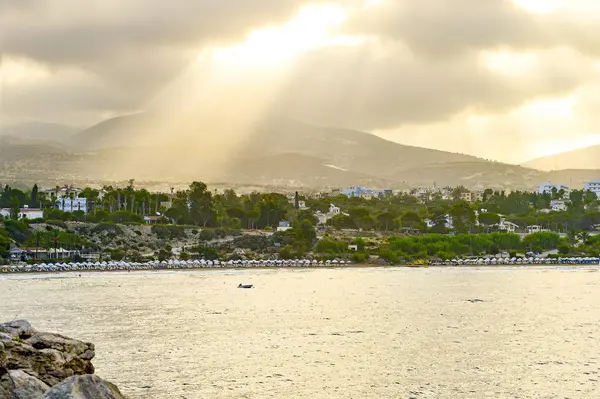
pixel 393 228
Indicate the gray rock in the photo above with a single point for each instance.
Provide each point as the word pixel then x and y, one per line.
pixel 18 384
pixel 50 357
pixel 17 328
pixel 36 365
pixel 84 387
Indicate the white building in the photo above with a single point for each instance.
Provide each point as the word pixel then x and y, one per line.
pixel 284 226
pixel 506 226
pixel 66 204
pixel 24 213
pixel 547 187
pixel 324 217
pixel 593 186
pixel 558 206
pixel 334 210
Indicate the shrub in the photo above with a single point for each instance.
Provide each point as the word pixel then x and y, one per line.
pixel 109 228
pixel 360 257
pixel 117 254
pixel 168 232
pixel 564 249
pixel 123 216
pixel 205 252
pixel 207 235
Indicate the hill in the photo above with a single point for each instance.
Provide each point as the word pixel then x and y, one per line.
pixel 114 132
pixel 40 132
pixel 277 152
pixel 583 158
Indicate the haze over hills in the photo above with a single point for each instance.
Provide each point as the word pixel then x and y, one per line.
pixel 40 132
pixel 277 152
pixel 583 158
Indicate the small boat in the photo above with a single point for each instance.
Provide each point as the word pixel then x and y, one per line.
pixel 245 286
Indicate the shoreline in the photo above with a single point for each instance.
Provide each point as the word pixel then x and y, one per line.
pixel 361 266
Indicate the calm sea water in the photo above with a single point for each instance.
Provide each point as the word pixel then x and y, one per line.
pixel 348 333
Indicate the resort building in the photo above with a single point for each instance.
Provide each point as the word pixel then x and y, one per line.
pixel 284 226
pixel 549 187
pixel 152 219
pixel 593 186
pixel 24 213
pixel 67 204
pixel 472 196
pixel 355 191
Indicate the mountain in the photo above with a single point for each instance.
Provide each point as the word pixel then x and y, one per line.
pixel 40 132
pixel 110 133
pixel 277 152
pixel 583 158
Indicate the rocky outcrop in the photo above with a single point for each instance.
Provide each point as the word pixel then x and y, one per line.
pixel 34 364
pixel 84 387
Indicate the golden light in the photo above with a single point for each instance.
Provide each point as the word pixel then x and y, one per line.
pixel 313 27
pixel 510 62
pixel 540 6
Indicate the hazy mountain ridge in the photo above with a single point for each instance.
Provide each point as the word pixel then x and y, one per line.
pixel 41 132
pixel 279 152
pixel 583 158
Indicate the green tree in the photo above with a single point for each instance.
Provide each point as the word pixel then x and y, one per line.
pixel 488 219
pixel 584 236
pixel 34 196
pixel 385 220
pixel 463 217
pixel 201 204
pixel 564 249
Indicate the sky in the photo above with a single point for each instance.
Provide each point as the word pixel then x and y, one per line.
pixel 509 80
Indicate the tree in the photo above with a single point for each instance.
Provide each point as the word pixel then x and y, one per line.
pixel 584 236
pixel 488 219
pixel 34 196
pixel 410 219
pixel 564 249
pixel 573 236
pixel 201 204
pixel 487 194
pixel 306 232
pixel 463 217
pixel 385 220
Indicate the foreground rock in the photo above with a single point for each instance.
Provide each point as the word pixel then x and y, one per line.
pixel 34 364
pixel 84 387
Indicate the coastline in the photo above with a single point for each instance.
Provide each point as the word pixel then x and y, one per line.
pixel 594 267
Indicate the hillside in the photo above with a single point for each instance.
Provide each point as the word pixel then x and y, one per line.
pixel 583 158
pixel 114 132
pixel 40 132
pixel 278 152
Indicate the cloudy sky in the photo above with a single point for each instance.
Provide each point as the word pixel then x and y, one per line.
pixel 503 79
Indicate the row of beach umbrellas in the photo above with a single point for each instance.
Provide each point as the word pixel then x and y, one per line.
pixel 523 261
pixel 170 264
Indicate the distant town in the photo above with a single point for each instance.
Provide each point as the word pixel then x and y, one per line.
pixel 358 224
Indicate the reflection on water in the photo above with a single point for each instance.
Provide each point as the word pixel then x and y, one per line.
pixel 351 333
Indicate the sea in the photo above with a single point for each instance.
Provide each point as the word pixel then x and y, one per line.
pixel 413 333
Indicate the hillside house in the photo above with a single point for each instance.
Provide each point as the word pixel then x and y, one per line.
pixel 472 196
pixel 24 213
pixel 549 187
pixel 505 226
pixel 67 204
pixel 284 226
pixel 152 219
pixel 593 186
